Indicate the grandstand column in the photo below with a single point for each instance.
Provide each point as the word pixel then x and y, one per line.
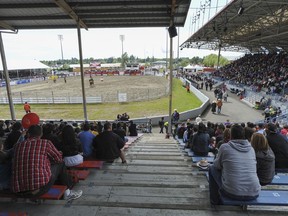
pixel 219 53
pixel 171 34
pixel 82 71
pixel 7 79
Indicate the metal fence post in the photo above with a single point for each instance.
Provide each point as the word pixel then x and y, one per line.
pixel 52 97
pixel 21 97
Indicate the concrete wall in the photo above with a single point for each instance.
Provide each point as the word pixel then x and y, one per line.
pixel 183 115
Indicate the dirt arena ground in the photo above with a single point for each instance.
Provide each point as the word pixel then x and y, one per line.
pixel 109 85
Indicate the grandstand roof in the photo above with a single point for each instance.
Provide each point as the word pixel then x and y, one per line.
pixel 54 14
pixel 245 25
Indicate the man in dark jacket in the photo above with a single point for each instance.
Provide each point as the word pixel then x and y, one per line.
pixel 107 145
pixel 279 146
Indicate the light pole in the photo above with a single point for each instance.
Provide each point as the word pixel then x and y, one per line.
pixel 122 38
pixel 60 37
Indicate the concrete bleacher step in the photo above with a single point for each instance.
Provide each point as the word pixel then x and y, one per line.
pixel 150 183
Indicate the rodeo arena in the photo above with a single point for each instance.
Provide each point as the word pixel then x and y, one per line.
pixel 227 157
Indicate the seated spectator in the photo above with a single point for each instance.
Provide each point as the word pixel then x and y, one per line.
pixel 2 132
pixel 284 131
pixel 99 127
pixel 233 173
pixel 49 134
pixel 226 137
pixel 34 172
pixel 120 131
pixel 132 129
pixel 265 158
pixel 260 128
pixel 13 136
pixel 70 147
pixel 200 141
pixel 86 140
pixel 248 133
pixel 279 146
pixel 107 145
pixel 5 168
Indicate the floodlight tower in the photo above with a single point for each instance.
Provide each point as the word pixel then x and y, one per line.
pixel 60 37
pixel 122 38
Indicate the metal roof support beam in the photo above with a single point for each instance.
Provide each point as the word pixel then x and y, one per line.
pixel 82 72
pixel 66 8
pixel 7 79
pixel 173 5
pixel 6 26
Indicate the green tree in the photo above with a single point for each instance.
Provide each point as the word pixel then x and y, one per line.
pixel 196 60
pixel 212 60
pixel 124 59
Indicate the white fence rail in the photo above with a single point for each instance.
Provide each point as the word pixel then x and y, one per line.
pixel 54 100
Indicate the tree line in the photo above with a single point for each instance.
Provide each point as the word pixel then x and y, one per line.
pixel 208 61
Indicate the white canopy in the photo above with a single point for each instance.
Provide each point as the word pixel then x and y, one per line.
pixel 23 65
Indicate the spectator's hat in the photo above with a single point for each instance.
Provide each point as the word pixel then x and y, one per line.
pixel 175 109
pixel 272 128
pixel 203 164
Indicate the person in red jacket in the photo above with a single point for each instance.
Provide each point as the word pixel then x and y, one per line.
pixel 27 107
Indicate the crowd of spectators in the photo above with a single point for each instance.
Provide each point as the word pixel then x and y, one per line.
pixel 204 138
pixel 259 71
pixel 55 148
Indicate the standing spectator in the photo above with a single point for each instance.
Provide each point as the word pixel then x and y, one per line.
pixel 27 107
pixel 86 139
pixel 161 124
pixel 175 116
pixel 225 96
pixel 219 105
pixel 213 106
pixel 34 172
pixel 233 173
pixel 166 125
pixel 265 159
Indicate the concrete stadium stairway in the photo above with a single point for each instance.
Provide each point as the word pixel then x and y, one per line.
pixel 158 179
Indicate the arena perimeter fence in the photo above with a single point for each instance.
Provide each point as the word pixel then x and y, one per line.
pixel 38 97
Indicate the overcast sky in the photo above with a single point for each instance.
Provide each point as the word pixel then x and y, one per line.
pixel 105 43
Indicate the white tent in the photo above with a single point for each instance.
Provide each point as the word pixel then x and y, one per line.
pixel 193 68
pixel 23 65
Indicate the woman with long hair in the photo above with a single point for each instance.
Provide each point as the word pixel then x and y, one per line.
pixel 71 147
pixel 265 158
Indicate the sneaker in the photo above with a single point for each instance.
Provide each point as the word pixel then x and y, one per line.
pixel 72 195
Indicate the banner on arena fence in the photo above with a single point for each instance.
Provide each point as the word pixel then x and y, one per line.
pixel 122 97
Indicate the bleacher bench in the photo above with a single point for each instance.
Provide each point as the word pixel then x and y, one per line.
pixel 54 193
pixel 81 174
pixel 280 180
pixel 266 197
pixel 13 214
pixel 96 164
